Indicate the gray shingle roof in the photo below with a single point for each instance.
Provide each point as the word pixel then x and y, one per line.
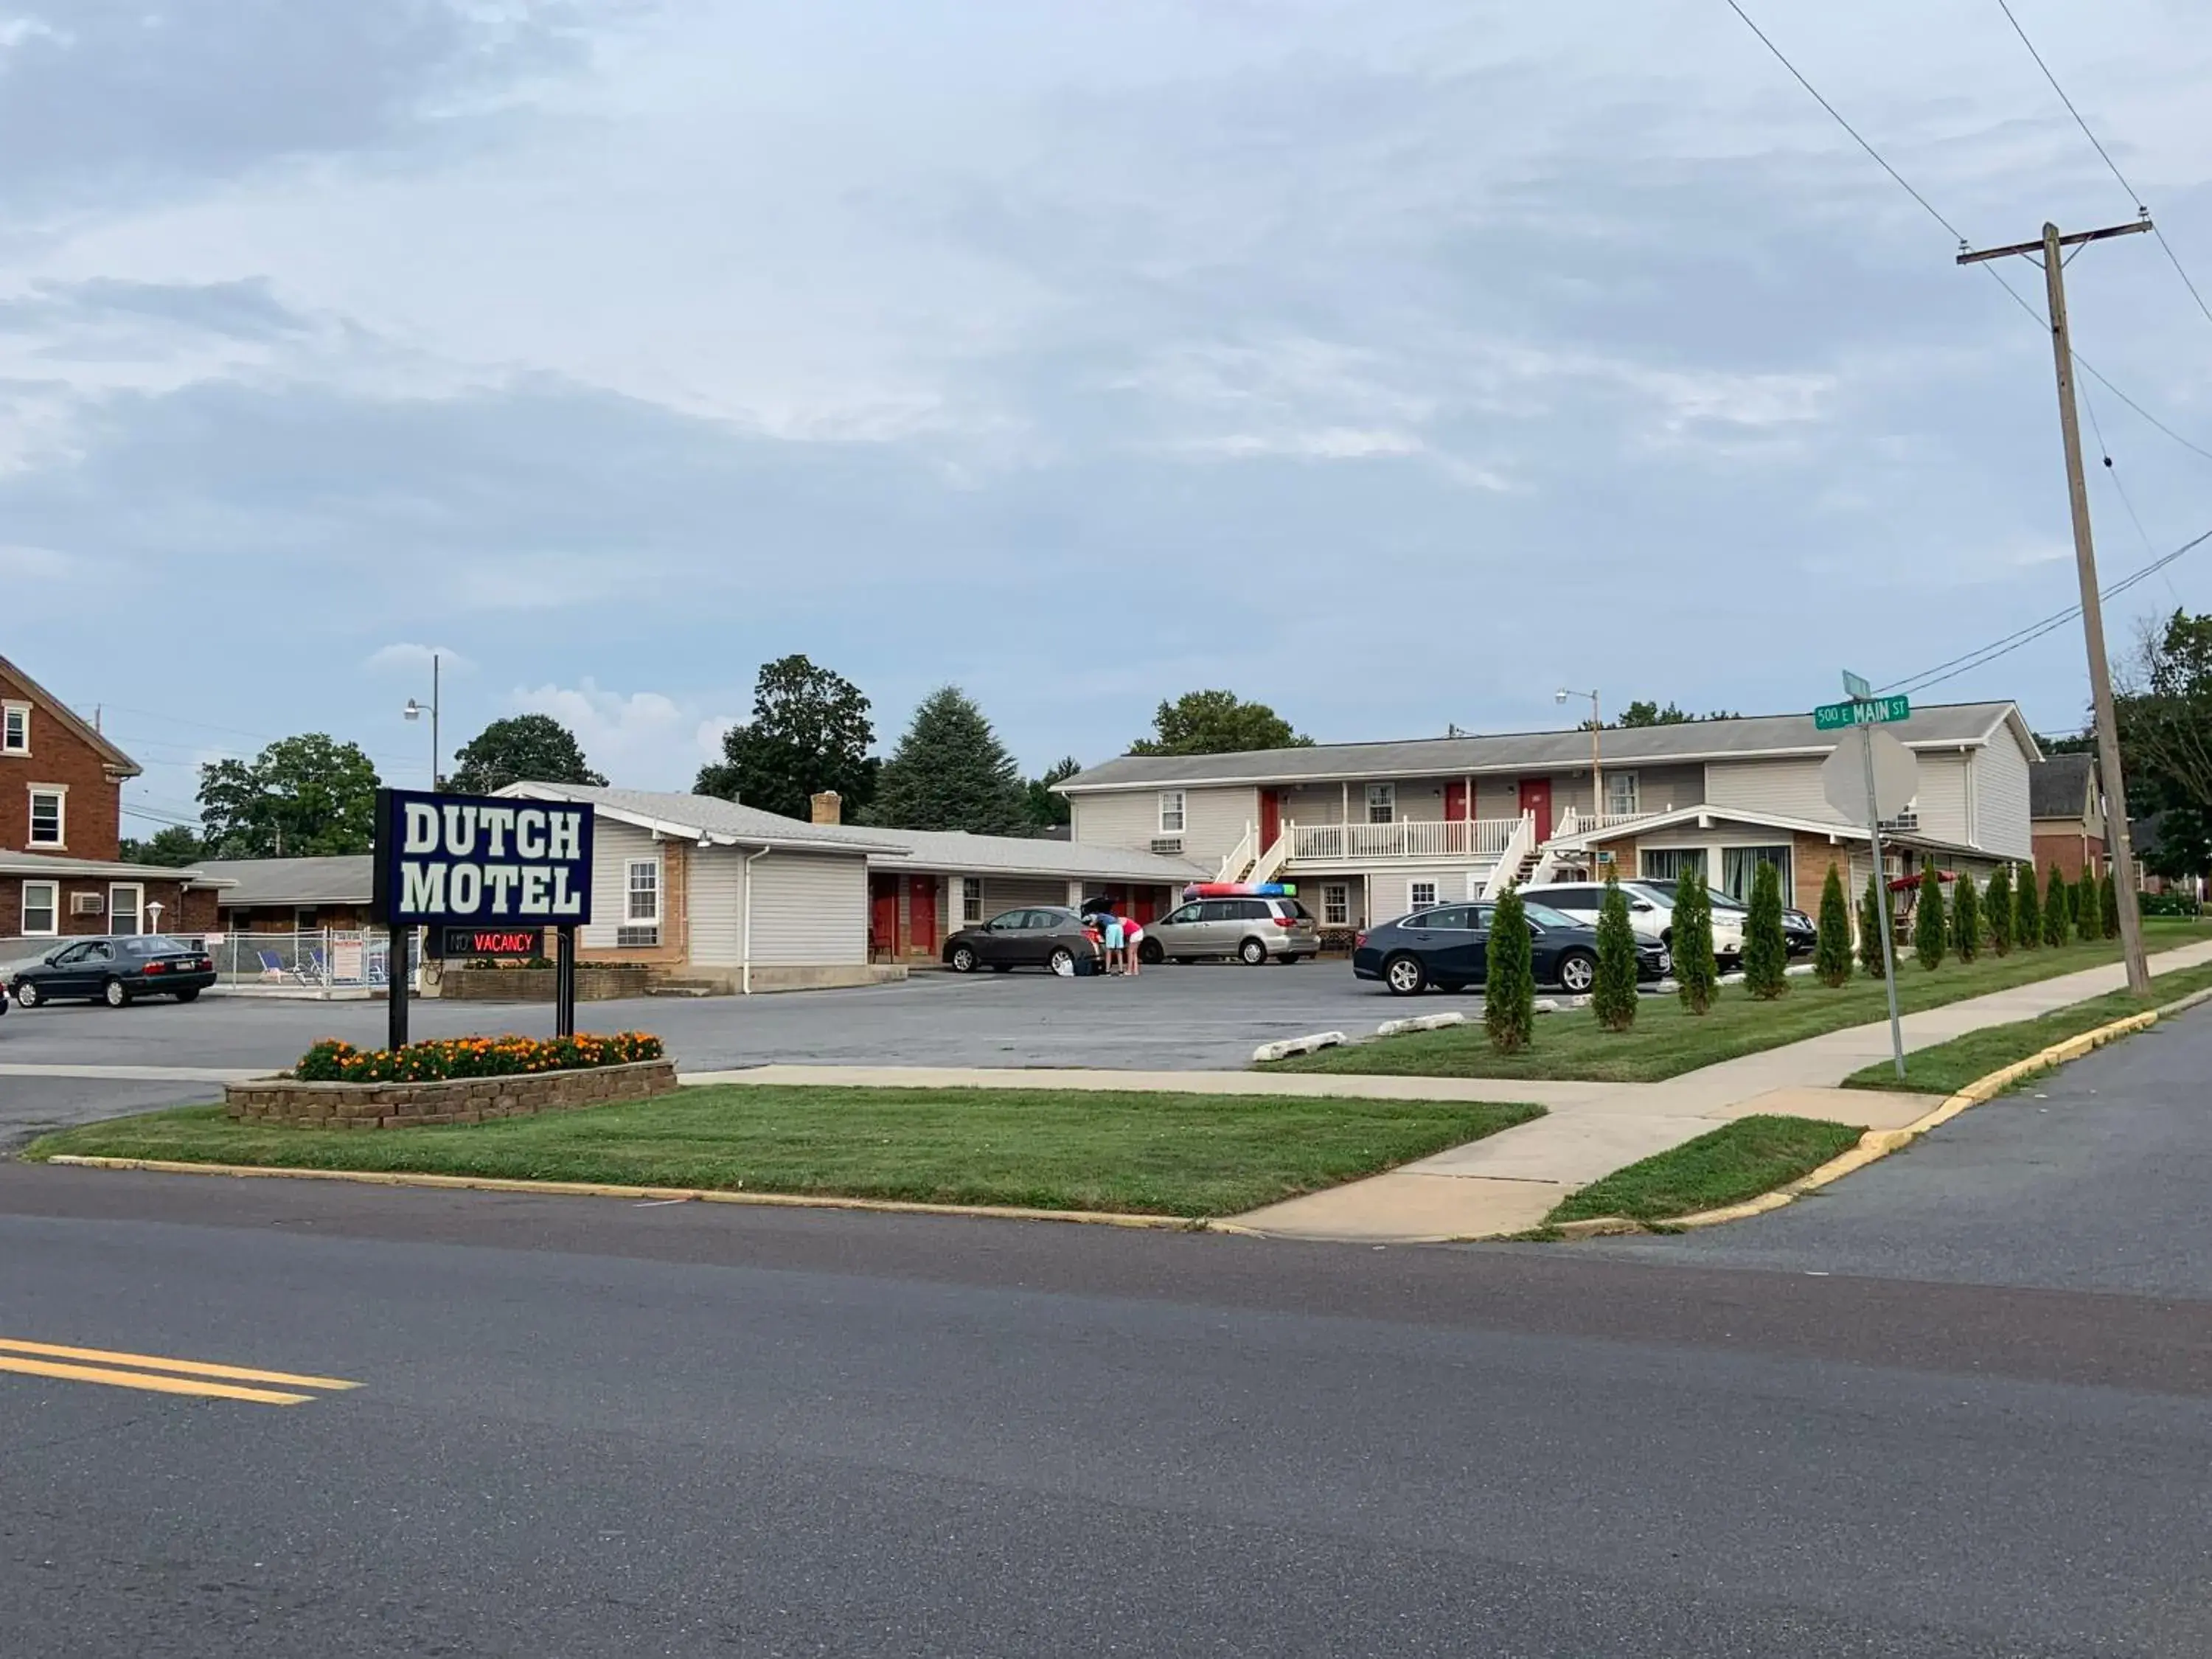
pixel 2059 787
pixel 1941 725
pixel 899 848
pixel 708 814
pixel 344 880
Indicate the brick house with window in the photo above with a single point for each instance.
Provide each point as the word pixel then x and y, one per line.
pixel 2066 812
pixel 61 831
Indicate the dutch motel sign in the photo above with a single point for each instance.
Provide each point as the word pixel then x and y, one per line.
pixel 493 871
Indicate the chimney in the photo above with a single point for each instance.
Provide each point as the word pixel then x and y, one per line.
pixel 828 806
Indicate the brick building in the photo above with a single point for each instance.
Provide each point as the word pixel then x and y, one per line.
pixel 2066 810
pixel 61 831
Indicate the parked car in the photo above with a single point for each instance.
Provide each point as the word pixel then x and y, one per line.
pixel 1253 930
pixel 1448 947
pixel 115 970
pixel 1037 936
pixel 1650 911
pixel 1799 931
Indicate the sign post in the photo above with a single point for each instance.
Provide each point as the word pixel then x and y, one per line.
pixel 495 870
pixel 1885 780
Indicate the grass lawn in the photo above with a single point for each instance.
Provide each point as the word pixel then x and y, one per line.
pixel 1166 1154
pixel 1666 1041
pixel 1950 1066
pixel 1740 1160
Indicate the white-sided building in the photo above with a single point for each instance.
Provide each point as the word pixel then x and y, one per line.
pixel 707 889
pixel 1370 830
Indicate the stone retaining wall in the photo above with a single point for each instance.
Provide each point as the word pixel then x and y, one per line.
pixel 461 984
pixel 282 1102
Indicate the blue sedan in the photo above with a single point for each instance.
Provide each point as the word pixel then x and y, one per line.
pixel 1448 947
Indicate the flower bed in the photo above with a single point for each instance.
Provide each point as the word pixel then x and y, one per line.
pixel 453 1081
pixel 444 1060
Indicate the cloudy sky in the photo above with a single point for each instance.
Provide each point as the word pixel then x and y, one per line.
pixel 1394 361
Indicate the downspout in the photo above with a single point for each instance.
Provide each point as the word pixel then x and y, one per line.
pixel 746 970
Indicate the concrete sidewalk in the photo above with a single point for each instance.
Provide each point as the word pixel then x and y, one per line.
pixel 1510 1180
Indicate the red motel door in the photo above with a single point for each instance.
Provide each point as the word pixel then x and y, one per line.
pixel 1536 797
pixel 883 914
pixel 1455 802
pixel 922 915
pixel 1271 817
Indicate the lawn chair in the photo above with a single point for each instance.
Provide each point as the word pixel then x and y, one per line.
pixel 317 971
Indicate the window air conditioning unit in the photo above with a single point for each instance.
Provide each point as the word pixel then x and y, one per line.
pixel 1167 844
pixel 87 904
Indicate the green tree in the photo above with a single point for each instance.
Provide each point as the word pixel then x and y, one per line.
pixel 2057 912
pixel 809 731
pixel 2088 910
pixel 1509 992
pixel 1999 910
pixel 1696 975
pixel 522 748
pixel 1966 918
pixel 173 847
pixel 303 797
pixel 1831 957
pixel 1766 950
pixel 951 772
pixel 1645 713
pixel 2164 720
pixel 1872 920
pixel 1216 723
pixel 1046 809
pixel 2027 912
pixel 1930 932
pixel 2108 907
pixel 1613 997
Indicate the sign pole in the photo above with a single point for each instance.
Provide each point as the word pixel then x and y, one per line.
pixel 395 986
pixel 564 985
pixel 1881 889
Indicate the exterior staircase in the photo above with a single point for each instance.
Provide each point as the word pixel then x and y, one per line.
pixel 1237 866
pixel 1270 863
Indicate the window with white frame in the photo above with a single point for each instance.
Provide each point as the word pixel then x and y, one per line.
pixel 126 906
pixel 641 922
pixel 1381 803
pixel 15 728
pixel 1419 895
pixel 971 900
pixel 42 904
pixel 1335 903
pixel 1622 796
pixel 48 821
pixel 1172 812
pixel 1739 868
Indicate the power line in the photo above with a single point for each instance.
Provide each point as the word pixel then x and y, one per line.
pixel 2011 643
pixel 1846 125
pixel 1882 162
pixel 2106 155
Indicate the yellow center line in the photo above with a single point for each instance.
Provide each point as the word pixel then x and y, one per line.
pixel 148 1381
pixel 187 1367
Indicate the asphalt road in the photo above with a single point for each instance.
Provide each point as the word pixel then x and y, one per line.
pixel 586 1427
pixel 2097 1177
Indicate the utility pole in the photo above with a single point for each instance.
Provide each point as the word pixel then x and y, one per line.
pixel 2051 248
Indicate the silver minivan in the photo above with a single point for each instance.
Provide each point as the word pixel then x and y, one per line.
pixel 1253 930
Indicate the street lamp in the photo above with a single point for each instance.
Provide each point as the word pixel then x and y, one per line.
pixel 1597 775
pixel 414 711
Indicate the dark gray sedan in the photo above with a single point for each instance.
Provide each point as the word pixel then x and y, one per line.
pixel 116 969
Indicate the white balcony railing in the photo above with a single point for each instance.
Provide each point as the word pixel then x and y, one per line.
pixel 1417 838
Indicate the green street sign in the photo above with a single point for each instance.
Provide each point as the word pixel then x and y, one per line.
pixel 1855 687
pixel 1862 711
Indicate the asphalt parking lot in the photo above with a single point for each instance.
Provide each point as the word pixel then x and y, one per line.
pixel 1202 1017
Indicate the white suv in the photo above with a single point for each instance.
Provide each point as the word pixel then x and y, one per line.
pixel 1650 912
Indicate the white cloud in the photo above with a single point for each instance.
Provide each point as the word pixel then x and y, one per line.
pixel 638 740
pixel 24 563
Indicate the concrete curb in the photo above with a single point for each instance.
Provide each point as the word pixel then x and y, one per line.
pixel 663 1194
pixel 1878 1144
